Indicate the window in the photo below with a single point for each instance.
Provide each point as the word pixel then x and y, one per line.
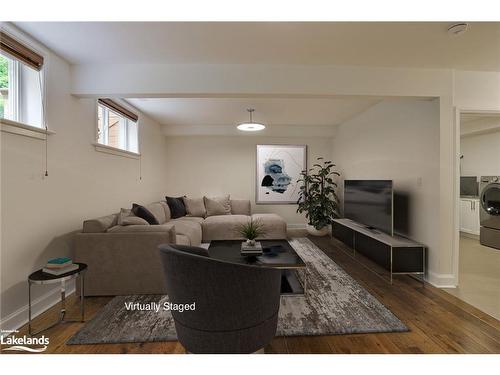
pixel 116 126
pixel 20 83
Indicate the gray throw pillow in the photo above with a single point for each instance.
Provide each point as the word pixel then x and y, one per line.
pixel 126 217
pixel 194 207
pixel 134 220
pixel 218 205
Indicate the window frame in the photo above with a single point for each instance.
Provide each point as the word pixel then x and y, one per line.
pixel 102 147
pixel 13 90
pixel 19 127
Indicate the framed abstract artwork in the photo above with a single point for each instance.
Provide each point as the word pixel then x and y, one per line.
pixel 278 169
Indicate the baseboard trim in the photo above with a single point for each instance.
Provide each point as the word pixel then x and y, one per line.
pixel 19 318
pixel 440 280
pixel 296 226
pixel 472 236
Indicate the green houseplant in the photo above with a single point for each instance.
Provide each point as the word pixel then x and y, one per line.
pixel 251 230
pixel 317 196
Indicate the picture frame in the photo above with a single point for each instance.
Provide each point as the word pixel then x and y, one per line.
pixel 278 168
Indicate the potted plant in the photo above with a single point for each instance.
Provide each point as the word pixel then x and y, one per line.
pixel 317 197
pixel 251 230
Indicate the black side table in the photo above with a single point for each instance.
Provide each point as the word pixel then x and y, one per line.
pixel 41 278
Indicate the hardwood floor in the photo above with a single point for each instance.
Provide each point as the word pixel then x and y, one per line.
pixel 438 321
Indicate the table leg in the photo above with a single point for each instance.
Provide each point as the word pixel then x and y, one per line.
pixel 63 300
pixel 29 308
pixel 82 297
pixel 62 313
pixel 391 265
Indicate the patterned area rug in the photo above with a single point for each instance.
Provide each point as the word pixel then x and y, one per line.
pixel 335 304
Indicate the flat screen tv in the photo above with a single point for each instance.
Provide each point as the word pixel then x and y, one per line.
pixel 370 202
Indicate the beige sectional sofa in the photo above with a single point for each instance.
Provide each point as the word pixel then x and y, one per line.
pixel 125 259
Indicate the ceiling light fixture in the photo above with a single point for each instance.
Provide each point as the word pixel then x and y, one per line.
pixel 457 29
pixel 251 126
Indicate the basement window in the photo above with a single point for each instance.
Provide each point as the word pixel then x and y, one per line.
pixel 20 84
pixel 117 126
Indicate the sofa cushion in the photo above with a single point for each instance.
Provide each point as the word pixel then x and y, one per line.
pixel 190 229
pixel 192 219
pixel 167 210
pixel 158 211
pixel 223 227
pixel 240 207
pixel 274 225
pixel 194 207
pixel 126 217
pixel 140 228
pixel 176 206
pixel 181 239
pixel 100 225
pixel 133 220
pixel 144 213
pixel 217 205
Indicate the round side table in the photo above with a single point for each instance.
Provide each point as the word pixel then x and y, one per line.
pixel 41 278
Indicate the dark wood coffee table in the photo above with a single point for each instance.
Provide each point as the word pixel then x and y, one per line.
pixel 276 254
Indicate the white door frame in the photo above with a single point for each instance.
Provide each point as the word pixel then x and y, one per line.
pixel 456 244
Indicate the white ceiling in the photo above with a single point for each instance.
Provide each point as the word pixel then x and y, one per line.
pixel 479 123
pixel 271 111
pixel 419 44
pixel 472 117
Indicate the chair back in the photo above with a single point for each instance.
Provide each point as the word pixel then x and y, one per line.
pixel 228 298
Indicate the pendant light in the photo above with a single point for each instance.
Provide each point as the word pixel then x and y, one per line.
pixel 251 126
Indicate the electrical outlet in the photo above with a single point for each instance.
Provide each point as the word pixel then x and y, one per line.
pixel 419 181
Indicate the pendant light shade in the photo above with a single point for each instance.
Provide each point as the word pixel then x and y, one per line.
pixel 250 126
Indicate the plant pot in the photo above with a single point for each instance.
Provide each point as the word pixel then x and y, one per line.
pixel 250 242
pixel 317 232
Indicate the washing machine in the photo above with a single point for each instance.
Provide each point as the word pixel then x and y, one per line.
pixel 489 198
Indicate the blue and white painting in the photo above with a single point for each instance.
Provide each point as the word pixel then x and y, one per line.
pixel 278 169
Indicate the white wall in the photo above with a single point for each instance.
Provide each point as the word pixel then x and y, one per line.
pixel 399 141
pixel 477 90
pixel 481 154
pixel 212 166
pixel 38 215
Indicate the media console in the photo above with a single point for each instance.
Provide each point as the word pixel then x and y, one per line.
pixel 397 254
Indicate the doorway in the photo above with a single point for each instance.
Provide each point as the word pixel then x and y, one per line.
pixel 478 253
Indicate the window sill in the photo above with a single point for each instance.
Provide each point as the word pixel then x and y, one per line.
pixel 14 127
pixel 116 151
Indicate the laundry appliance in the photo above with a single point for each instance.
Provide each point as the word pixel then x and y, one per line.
pixel 489 213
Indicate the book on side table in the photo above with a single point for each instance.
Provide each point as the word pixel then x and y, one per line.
pixel 59 266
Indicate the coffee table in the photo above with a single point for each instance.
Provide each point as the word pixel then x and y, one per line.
pixel 276 254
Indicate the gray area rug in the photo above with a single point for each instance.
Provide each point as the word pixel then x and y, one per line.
pixel 335 304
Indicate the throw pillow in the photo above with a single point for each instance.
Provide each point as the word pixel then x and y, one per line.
pixel 194 206
pixel 177 208
pixel 134 220
pixel 126 217
pixel 218 205
pixel 144 213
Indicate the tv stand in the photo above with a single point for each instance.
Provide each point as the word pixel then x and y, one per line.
pixel 397 254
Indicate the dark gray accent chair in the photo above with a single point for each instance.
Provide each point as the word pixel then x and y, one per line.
pixel 236 305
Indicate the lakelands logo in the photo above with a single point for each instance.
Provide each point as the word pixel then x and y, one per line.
pixel 24 343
